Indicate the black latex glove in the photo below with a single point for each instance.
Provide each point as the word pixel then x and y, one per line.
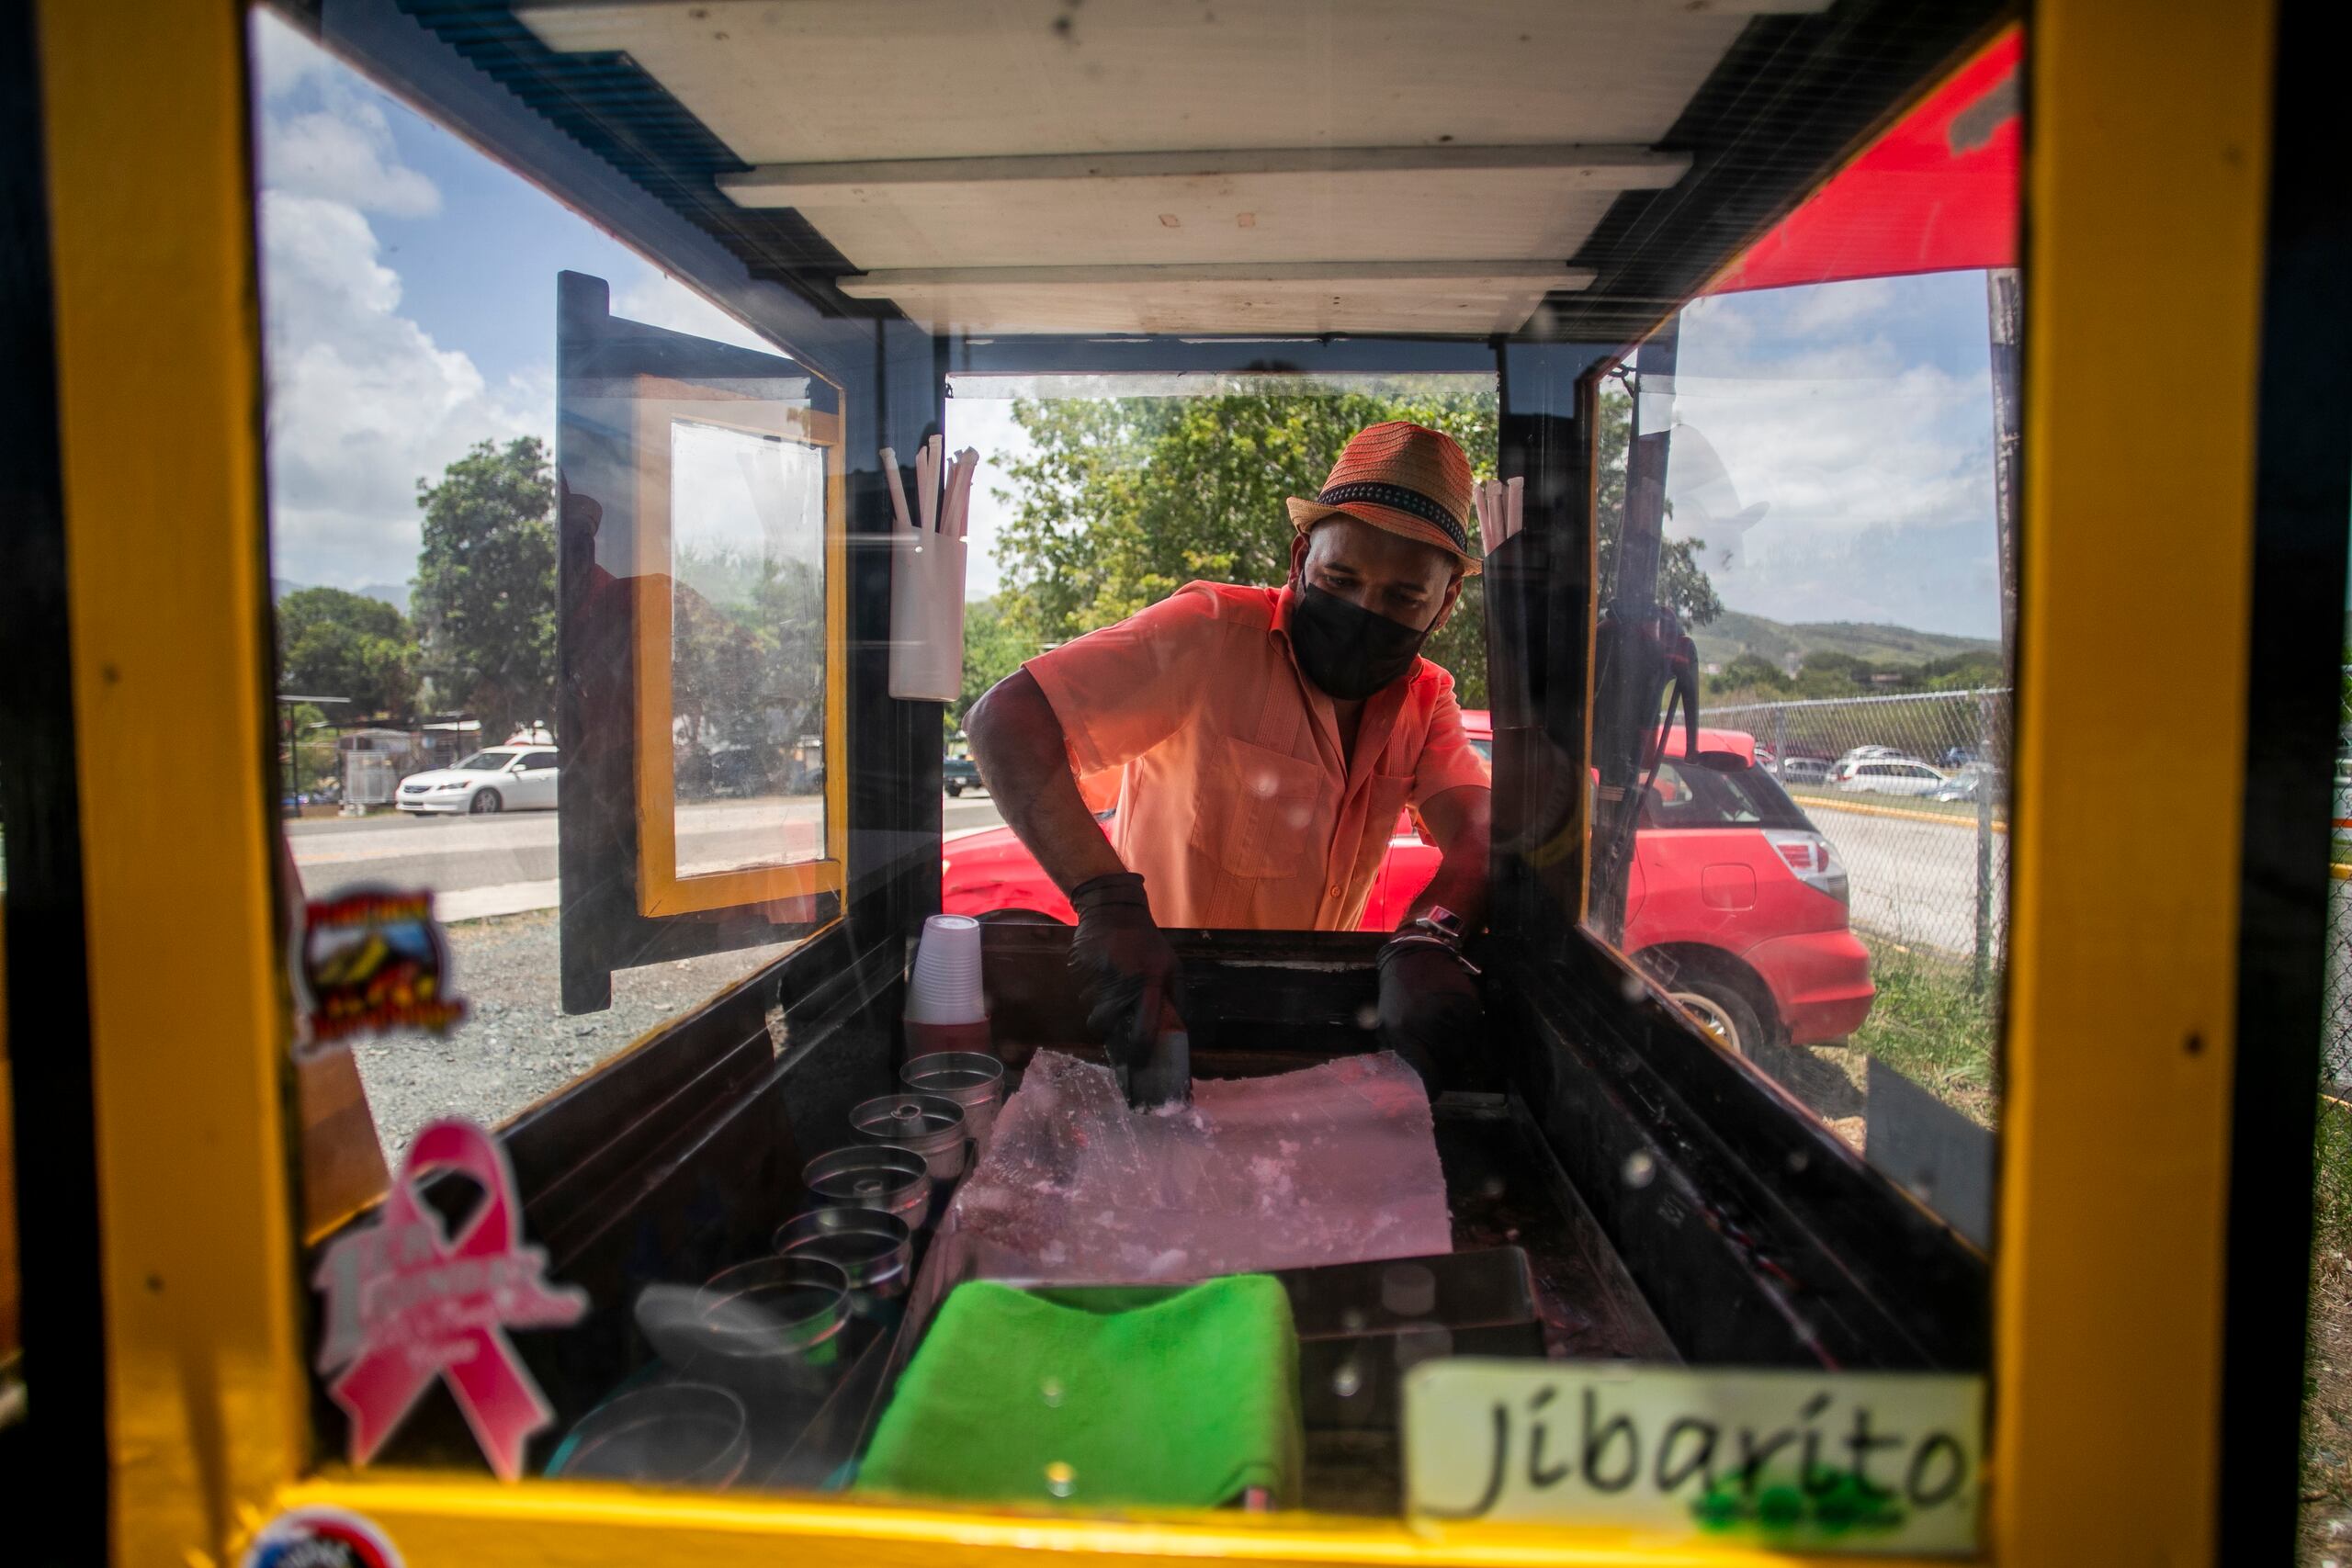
pixel 1127 972
pixel 1430 1008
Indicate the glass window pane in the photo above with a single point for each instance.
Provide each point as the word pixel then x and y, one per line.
pixel 1186 481
pixel 1831 538
pixel 1242 438
pixel 411 334
pixel 747 648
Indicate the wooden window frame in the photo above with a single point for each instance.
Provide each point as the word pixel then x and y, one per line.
pixel 661 404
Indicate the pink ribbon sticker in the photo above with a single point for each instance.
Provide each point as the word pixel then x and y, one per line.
pixel 407 1303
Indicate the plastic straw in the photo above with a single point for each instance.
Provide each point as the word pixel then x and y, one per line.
pixel 1512 511
pixel 898 489
pixel 947 495
pixel 971 460
pixel 939 478
pixel 927 486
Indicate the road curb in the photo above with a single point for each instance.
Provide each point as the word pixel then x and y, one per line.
pixel 1896 812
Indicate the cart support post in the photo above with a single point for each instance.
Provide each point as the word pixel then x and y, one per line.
pixel 2150 134
pixel 158 352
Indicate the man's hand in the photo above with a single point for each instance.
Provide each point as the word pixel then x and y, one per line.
pixel 1124 968
pixel 1430 1008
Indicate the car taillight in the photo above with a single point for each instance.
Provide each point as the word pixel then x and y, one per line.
pixel 944 864
pixel 1811 857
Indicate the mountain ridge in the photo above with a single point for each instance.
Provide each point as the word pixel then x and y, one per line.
pixel 1786 643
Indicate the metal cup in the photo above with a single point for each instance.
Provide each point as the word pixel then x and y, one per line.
pixel 873 1248
pixel 972 1080
pixel 871 1176
pixel 770 1327
pixel 930 1125
pixel 677 1434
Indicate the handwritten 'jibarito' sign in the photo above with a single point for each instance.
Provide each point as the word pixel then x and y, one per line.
pixel 1868 1461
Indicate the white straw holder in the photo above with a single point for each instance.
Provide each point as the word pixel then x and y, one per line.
pixel 926 615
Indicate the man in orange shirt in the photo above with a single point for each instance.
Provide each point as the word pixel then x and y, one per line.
pixel 1266 740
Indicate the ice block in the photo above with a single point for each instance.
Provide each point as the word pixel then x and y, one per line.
pixel 1335 1163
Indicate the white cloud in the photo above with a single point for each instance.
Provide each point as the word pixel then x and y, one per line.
pixel 1826 308
pixel 344 154
pixel 1871 466
pixel 283 58
pixel 343 148
pixel 362 401
pixel 986 425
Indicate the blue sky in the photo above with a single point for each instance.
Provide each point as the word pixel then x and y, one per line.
pixel 1858 417
pixel 408 287
pixel 409 293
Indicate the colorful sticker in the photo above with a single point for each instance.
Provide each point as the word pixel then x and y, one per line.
pixel 406 1304
pixel 1792 1461
pixel 320 1538
pixel 373 960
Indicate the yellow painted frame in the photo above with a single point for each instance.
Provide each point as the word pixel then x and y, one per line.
pixel 658 403
pixel 2146 194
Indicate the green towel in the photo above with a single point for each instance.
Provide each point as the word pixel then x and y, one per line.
pixel 1133 1396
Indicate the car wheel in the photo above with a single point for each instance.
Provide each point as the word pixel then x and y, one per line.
pixel 955 790
pixel 1722 1011
pixel 486 802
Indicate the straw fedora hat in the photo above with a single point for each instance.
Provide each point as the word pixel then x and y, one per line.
pixel 1404 478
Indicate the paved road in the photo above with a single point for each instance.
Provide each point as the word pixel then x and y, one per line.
pixel 1913 881
pixel 505 864
pixel 1916 882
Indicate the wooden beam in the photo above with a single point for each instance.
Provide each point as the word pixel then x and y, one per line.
pixel 1546 274
pixel 1601 167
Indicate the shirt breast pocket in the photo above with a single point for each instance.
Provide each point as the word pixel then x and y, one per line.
pixel 1260 820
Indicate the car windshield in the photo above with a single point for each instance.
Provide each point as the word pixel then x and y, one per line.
pixel 1689 797
pixel 486 761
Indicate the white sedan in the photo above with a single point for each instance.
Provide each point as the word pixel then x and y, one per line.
pixel 501 778
pixel 1894 775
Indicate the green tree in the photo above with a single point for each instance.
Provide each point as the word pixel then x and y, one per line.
pixel 333 644
pixel 1749 672
pixel 1124 501
pixel 1828 675
pixel 1682 582
pixel 485 586
pixel 747 658
pixel 993 649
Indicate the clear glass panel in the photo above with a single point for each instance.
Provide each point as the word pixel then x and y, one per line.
pixel 747 648
pixel 2326 1485
pixel 1115 491
pixel 410 287
pixel 1163 309
pixel 1833 538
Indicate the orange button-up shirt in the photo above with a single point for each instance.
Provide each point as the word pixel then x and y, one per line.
pixel 1237 802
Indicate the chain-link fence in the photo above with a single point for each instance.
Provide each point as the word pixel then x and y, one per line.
pixel 1913 791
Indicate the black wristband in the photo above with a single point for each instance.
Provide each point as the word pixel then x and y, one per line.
pixel 1112 887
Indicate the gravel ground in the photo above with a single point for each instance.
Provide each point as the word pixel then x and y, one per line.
pixel 518 1043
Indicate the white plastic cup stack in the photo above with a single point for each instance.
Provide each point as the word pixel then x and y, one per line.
pixel 945 984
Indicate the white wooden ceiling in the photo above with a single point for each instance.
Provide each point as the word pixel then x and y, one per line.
pixel 1186 165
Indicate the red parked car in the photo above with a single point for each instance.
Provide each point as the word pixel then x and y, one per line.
pixel 1733 900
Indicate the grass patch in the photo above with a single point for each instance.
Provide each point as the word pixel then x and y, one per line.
pixel 1934 1027
pixel 2326 1482
pixel 1833 799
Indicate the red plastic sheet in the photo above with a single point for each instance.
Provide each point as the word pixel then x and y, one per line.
pixel 1937 193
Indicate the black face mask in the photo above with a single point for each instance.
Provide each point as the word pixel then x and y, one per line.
pixel 1348 651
